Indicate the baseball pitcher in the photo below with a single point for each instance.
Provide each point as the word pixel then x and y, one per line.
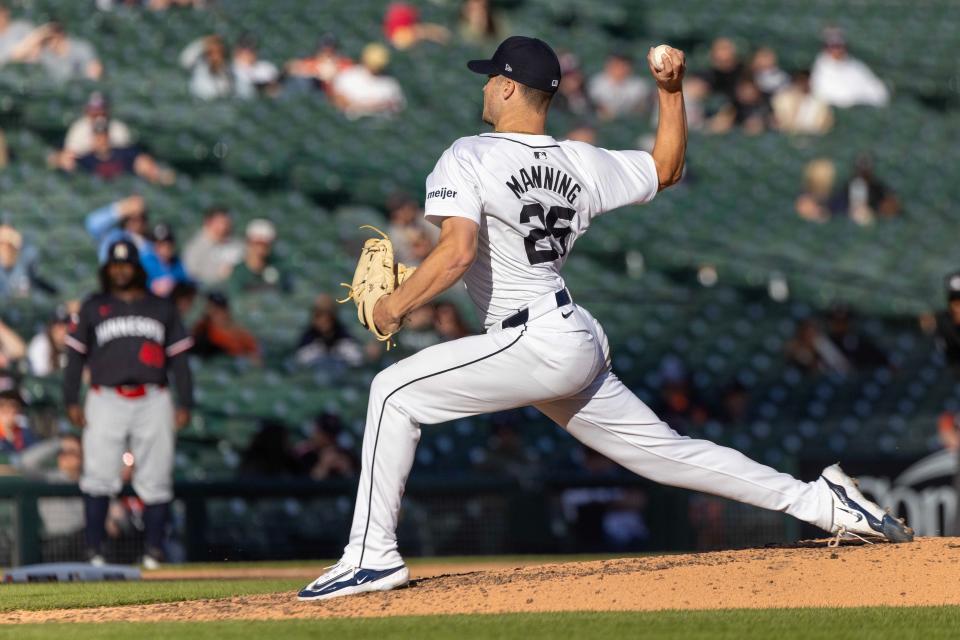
pixel 510 205
pixel 129 339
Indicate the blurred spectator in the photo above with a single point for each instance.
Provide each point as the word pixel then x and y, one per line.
pixel 858 349
pixel 865 197
pixel 364 90
pixel 841 80
pixel 259 270
pixel 79 139
pixel 406 224
pixel 419 331
pixel 217 333
pixel 184 294
pixel 734 406
pixel 767 74
pixel 320 68
pixel 815 203
pixel 583 133
pixel 321 457
pixel 12 349
pixel 797 110
pixel 12 32
pixel 572 95
pixel 211 253
pixel 124 219
pixel 505 453
pixel 725 68
pixel 207 60
pixel 948 323
pixel 62 518
pixel 108 162
pixel 15 433
pixel 164 268
pixel 269 454
pixel 251 75
pixel 403 29
pixel 749 110
pixel 325 338
pixel 18 266
pixel 813 352
pixel 64 58
pixel 4 151
pixel 47 351
pixel 153 5
pixel 678 403
pixel 448 322
pixel 480 24
pixel 616 91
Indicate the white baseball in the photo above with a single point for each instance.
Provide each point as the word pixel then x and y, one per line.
pixel 658 55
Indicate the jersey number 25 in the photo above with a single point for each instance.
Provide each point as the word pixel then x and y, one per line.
pixel 556 235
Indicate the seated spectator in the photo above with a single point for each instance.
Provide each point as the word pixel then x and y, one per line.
pixel 616 91
pixel 164 268
pixel 47 351
pixel 811 351
pixel 217 333
pixel 841 80
pixel 321 457
pixel 725 69
pixel 406 222
pixel 480 24
pixel 859 350
pixel 12 348
pixel 749 111
pixel 815 203
pixel 797 110
pixel 62 518
pixel 734 406
pixel 678 403
pixel 15 433
pixel 12 32
pixel 403 29
pixel 269 454
pixel 865 197
pixel 572 95
pixel 766 72
pixel 207 60
pixel 259 270
pixel 18 266
pixel 320 68
pixel 364 89
pixel 184 294
pixel 211 254
pixel 251 75
pixel 79 139
pixel 124 219
pixel 4 151
pixel 64 58
pixel 505 454
pixel 448 322
pixel 419 331
pixel 948 323
pixel 108 162
pixel 326 339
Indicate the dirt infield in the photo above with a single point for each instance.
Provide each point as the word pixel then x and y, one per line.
pixel 922 573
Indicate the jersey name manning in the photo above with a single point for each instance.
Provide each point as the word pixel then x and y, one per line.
pixel 532 197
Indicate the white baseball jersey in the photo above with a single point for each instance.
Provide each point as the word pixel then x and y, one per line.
pixel 532 197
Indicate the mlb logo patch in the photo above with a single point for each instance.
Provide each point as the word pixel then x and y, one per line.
pixel 507 67
pixel 554 83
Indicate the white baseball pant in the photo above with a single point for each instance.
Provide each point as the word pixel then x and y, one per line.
pixel 561 365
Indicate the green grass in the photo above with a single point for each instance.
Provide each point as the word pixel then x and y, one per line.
pixel 105 594
pixel 926 623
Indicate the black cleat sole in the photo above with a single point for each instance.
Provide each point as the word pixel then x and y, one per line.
pixel 896 531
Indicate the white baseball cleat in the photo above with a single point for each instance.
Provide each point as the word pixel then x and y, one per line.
pixel 855 517
pixel 343 579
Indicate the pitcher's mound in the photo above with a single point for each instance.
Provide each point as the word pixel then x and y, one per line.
pixel 812 575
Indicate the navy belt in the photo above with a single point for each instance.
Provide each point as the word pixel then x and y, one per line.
pixel 521 317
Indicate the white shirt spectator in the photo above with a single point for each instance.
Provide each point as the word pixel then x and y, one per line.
pixel 618 98
pixel 39 354
pixel 79 140
pixel 11 36
pixel 367 93
pixel 846 82
pixel 246 78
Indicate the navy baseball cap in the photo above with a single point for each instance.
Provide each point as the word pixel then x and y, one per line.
pixel 123 251
pixel 529 61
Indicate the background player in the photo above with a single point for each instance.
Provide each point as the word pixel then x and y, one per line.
pixel 129 339
pixel 510 205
